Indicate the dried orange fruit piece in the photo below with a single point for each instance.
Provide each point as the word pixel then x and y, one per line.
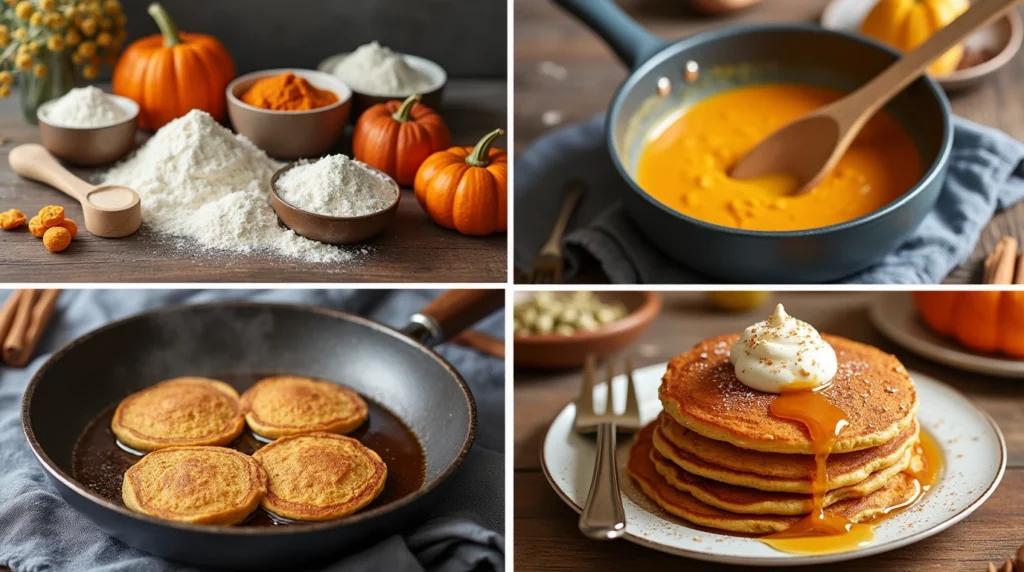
pixel 57 238
pixel 71 226
pixel 35 226
pixel 11 219
pixel 51 215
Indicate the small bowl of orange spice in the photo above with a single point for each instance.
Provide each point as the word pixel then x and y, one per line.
pixel 289 113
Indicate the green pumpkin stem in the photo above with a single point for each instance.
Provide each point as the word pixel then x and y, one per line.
pixel 167 26
pixel 479 156
pixel 405 111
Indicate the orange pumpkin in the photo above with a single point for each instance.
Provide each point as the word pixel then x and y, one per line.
pixel 906 24
pixel 466 188
pixel 396 137
pixel 172 73
pixel 982 321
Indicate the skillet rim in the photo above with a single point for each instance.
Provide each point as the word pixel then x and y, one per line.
pixel 71 483
pixel 727 32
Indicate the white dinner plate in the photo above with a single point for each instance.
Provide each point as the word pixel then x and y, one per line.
pixel 895 316
pixel 974 461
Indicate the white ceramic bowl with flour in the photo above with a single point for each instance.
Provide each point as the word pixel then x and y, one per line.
pixel 88 127
pixel 336 200
pixel 435 79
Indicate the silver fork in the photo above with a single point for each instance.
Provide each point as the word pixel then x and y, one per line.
pixel 547 267
pixel 603 517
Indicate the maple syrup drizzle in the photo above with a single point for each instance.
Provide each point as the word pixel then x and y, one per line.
pixel 821 532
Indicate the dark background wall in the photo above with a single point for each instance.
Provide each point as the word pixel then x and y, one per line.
pixel 467 37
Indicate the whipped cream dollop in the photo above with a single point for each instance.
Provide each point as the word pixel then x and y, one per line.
pixel 783 354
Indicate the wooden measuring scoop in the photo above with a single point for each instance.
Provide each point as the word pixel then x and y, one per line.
pixel 111 211
pixel 810 147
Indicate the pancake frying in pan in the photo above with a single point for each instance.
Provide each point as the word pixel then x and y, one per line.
pixel 422 415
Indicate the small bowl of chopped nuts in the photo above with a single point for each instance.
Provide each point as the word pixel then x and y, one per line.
pixel 558 329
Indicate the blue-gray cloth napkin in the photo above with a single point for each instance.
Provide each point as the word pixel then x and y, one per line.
pixel 39 531
pixel 985 175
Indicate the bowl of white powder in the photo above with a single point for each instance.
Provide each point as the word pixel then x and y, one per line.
pixel 88 127
pixel 377 74
pixel 335 200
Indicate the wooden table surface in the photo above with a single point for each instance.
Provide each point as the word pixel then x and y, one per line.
pixel 546 537
pixel 413 249
pixel 543 33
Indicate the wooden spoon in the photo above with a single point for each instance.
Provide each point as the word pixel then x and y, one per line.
pixel 810 147
pixel 111 211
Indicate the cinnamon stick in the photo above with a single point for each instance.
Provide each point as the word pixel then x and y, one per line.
pixel 481 342
pixel 7 312
pixel 42 313
pixel 14 343
pixel 1019 278
pixel 1001 263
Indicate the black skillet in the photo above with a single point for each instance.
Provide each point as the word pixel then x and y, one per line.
pixel 242 341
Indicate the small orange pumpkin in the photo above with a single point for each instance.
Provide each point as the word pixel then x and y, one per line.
pixel 982 321
pixel 466 188
pixel 906 24
pixel 172 73
pixel 396 137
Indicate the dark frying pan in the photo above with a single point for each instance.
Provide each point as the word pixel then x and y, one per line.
pixel 658 86
pixel 397 370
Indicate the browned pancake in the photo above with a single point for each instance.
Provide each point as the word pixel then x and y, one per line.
pixel 899 489
pixel 780 472
pixel 320 476
pixel 752 501
pixel 289 405
pixel 701 392
pixel 179 412
pixel 198 485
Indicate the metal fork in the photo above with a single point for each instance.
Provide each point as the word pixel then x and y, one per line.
pixel 547 267
pixel 603 517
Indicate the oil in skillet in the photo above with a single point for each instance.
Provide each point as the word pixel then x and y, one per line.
pixel 99 463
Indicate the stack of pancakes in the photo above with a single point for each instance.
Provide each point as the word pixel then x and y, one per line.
pixel 717 457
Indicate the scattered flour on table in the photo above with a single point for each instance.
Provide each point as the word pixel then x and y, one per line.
pixel 375 69
pixel 200 181
pixel 84 107
pixel 336 186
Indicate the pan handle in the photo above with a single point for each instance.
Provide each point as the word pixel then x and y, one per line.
pixel 629 40
pixel 451 313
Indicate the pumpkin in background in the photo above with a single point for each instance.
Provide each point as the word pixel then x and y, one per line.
pixel 982 321
pixel 906 24
pixel 466 188
pixel 172 73
pixel 396 137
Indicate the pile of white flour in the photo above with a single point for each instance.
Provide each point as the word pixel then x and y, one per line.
pixel 200 181
pixel 84 107
pixel 376 70
pixel 336 186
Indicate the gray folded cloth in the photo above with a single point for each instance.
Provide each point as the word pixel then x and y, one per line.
pixel 985 175
pixel 463 532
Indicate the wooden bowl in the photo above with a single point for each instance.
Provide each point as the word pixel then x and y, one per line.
pixel 332 229
pixel 431 97
pixel 90 146
pixel 291 134
pixel 988 50
pixel 551 351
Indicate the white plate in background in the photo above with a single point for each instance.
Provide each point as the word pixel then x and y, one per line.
pixel 894 315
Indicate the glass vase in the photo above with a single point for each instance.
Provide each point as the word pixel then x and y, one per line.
pixel 36 90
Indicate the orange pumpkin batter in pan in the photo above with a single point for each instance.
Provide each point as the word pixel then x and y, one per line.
pixel 686 165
